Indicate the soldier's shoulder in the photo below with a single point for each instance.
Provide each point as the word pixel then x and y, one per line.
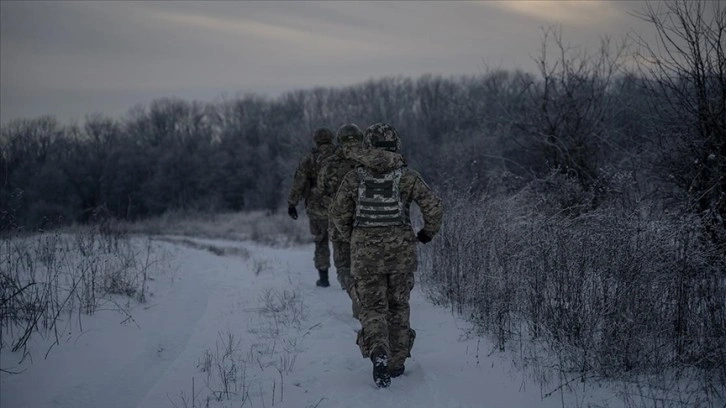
pixel 414 176
pixel 330 162
pixel 411 173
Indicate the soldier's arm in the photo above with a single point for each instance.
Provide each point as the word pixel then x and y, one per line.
pixel 430 204
pixel 323 183
pixel 342 209
pixel 299 182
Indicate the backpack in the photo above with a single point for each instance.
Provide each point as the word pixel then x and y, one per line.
pixel 319 158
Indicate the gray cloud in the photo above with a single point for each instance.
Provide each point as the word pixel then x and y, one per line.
pixel 71 58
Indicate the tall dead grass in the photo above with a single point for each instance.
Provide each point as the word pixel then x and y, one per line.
pixel 624 296
pixel 49 280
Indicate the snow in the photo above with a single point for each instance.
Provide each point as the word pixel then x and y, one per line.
pixel 293 346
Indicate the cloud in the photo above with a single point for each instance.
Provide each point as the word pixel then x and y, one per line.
pixel 91 51
pixel 280 36
pixel 261 31
pixel 577 13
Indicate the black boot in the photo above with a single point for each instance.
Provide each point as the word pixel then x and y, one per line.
pixel 323 281
pixel 381 376
pixel 397 372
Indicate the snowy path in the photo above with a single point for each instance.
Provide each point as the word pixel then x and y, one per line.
pixel 210 297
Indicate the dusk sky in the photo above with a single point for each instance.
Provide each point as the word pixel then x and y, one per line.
pixel 70 59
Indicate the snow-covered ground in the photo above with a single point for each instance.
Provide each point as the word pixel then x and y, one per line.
pixel 252 315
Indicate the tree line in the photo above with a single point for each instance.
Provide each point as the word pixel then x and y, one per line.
pixel 582 116
pixel 587 115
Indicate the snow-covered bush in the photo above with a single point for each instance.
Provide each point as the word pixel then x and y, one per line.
pixel 619 294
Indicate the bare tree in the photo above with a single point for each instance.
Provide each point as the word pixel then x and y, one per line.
pixel 570 107
pixel 686 72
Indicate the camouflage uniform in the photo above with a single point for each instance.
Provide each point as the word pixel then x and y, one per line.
pixel 331 174
pixel 383 258
pixel 305 186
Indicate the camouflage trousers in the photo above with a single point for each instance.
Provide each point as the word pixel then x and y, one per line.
pixel 384 315
pixel 341 259
pixel 319 229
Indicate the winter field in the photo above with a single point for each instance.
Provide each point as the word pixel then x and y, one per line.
pixel 231 323
pixel 218 314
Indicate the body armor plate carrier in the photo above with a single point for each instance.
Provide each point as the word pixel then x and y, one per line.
pixel 379 200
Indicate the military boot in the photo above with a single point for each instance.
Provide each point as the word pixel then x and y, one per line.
pixel 323 281
pixel 381 376
pixel 397 372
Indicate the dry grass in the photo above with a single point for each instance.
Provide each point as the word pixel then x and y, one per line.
pixel 238 370
pixel 48 280
pixel 606 294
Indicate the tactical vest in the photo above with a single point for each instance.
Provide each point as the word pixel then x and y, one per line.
pixel 379 200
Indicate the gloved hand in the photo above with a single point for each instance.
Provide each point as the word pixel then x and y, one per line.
pixel 292 212
pixel 423 237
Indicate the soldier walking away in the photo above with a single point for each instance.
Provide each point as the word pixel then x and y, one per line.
pixel 371 209
pixel 331 174
pixel 304 186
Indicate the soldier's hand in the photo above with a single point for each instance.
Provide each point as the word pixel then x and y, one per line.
pixel 292 212
pixel 423 237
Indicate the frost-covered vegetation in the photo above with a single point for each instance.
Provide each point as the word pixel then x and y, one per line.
pixel 628 295
pixel 49 281
pixel 231 370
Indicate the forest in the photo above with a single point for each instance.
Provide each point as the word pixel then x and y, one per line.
pixel 585 201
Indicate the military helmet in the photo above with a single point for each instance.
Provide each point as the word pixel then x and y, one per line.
pixel 382 136
pixel 323 136
pixel 349 133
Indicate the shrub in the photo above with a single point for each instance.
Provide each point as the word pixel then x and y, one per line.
pixel 615 294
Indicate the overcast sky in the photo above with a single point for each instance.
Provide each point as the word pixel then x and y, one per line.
pixel 70 59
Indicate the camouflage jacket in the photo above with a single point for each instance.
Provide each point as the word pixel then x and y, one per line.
pixel 412 189
pixel 331 174
pixel 304 184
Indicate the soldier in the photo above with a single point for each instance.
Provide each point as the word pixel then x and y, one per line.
pixel 304 186
pixel 371 209
pixel 331 174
